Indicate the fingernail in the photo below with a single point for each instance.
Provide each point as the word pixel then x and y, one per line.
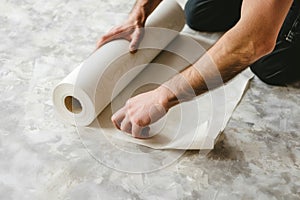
pixel 132 50
pixel 113 118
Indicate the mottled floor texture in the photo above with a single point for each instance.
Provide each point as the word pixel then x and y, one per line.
pixel 258 156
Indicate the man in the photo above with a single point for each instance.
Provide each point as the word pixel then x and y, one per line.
pixel 262 34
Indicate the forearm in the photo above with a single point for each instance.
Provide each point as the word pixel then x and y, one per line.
pixel 142 9
pixel 228 57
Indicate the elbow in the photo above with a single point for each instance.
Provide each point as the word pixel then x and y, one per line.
pixel 262 48
pixel 254 50
pixel 265 47
pixel 254 44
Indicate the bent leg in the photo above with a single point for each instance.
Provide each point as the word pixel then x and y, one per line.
pixel 212 15
pixel 282 65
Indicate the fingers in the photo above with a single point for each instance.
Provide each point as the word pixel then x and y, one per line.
pixel 126 125
pixel 133 34
pixel 136 39
pixel 118 117
pixel 136 130
pixel 140 132
pixel 107 38
pixel 104 39
pixel 101 41
pixel 115 33
pixel 123 123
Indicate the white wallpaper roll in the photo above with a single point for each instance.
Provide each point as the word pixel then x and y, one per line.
pixel 85 92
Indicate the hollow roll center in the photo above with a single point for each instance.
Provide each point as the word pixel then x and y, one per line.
pixel 73 104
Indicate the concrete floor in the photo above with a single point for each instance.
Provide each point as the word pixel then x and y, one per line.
pixel 258 156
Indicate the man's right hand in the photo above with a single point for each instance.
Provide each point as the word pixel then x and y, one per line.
pixel 132 30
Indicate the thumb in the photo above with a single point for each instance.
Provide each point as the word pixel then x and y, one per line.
pixel 137 36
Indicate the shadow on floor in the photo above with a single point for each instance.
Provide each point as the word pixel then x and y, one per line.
pixel 223 150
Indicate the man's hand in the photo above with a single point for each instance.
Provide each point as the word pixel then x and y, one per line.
pixel 132 30
pixel 141 111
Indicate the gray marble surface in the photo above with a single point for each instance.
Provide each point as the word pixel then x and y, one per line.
pixel 258 156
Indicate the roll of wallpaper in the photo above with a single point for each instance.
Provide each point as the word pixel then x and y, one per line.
pixel 85 92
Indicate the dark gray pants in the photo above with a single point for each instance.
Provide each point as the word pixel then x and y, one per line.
pixel 280 67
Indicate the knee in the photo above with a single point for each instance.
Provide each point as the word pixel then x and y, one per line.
pixel 273 76
pixel 212 15
pixel 196 13
pixel 190 13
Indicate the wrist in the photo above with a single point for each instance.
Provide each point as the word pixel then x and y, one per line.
pixel 138 15
pixel 142 9
pixel 166 97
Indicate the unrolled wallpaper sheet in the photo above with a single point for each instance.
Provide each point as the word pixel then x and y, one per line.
pixel 104 81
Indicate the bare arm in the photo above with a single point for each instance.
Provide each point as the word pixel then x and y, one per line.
pixel 131 29
pixel 252 37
